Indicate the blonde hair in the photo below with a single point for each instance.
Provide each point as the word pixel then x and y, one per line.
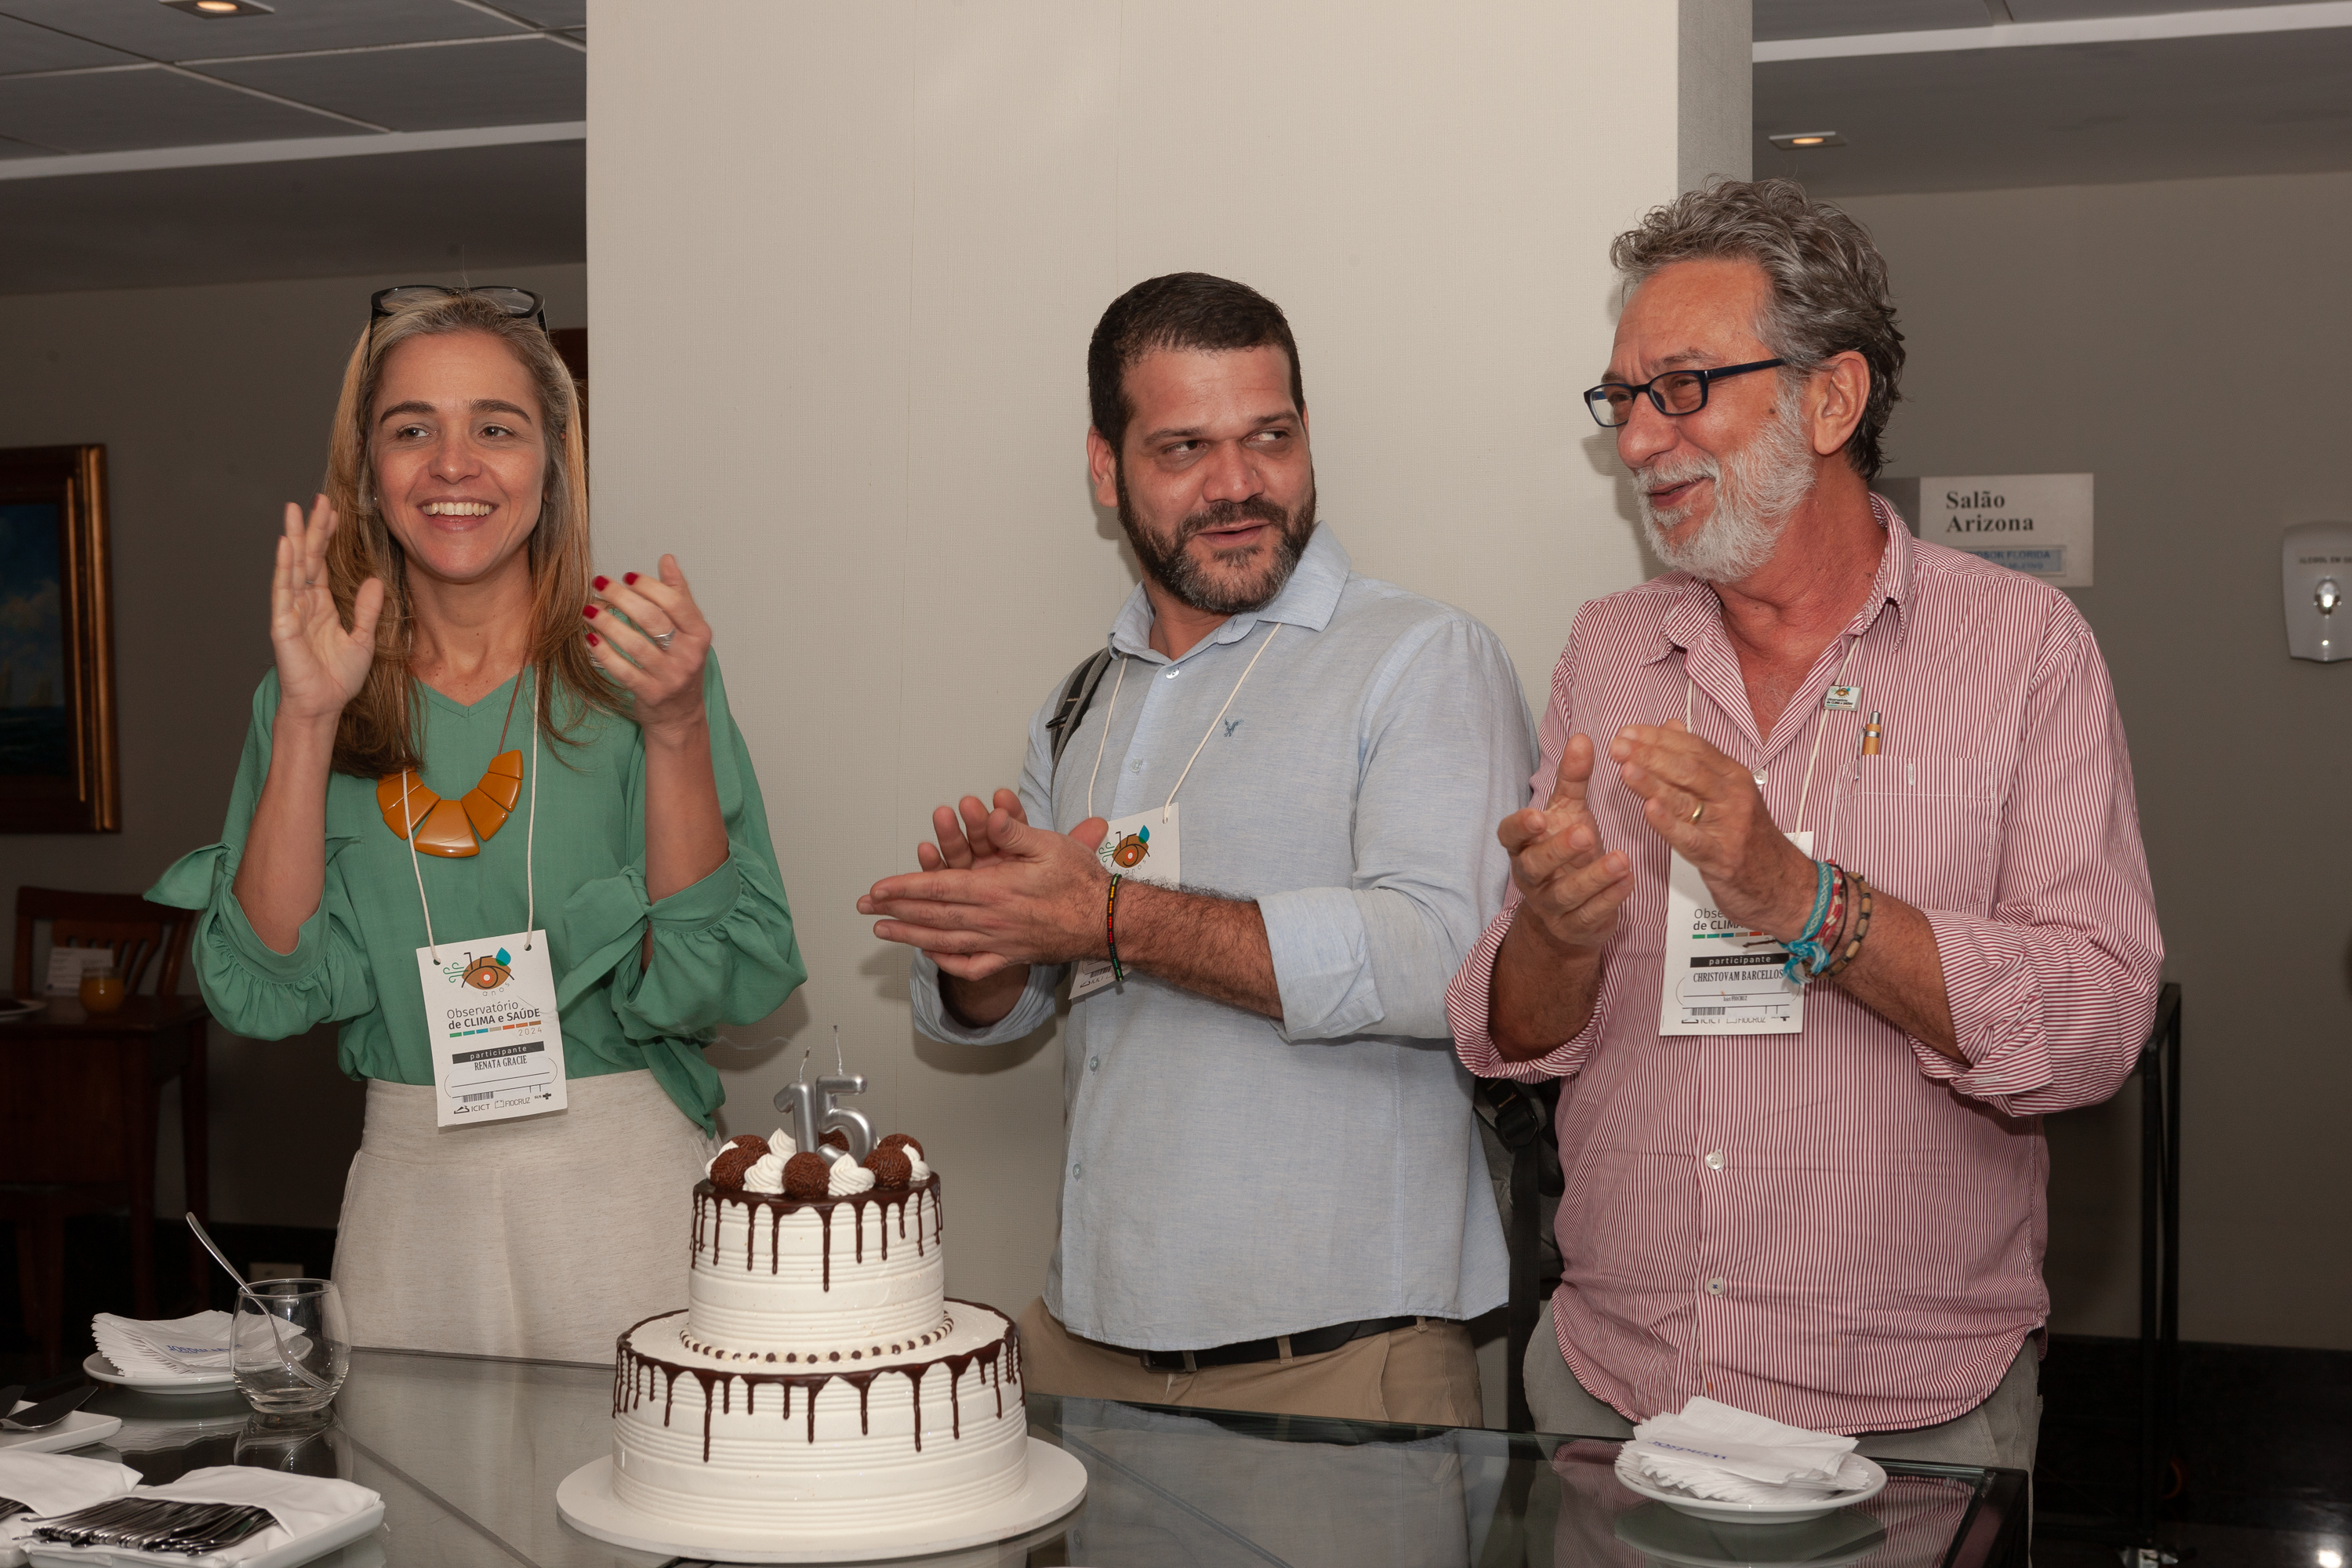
pixel 379 732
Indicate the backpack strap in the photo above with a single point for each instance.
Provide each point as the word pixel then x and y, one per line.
pixel 1078 695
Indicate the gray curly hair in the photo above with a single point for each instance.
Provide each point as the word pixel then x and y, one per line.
pixel 1829 282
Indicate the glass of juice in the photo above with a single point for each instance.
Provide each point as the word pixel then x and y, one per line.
pixel 101 989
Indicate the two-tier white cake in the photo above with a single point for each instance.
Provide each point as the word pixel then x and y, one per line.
pixel 818 1380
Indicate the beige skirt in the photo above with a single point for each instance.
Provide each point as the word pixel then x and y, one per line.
pixel 541 1237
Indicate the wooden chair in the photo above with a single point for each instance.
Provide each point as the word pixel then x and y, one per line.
pixel 78 1094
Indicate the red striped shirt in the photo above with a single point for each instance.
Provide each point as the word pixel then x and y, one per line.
pixel 1843 1228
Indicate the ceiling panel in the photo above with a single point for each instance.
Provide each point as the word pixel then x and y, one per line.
pixel 148 106
pixel 526 82
pixel 428 214
pixel 2071 114
pixel 148 29
pixel 26 48
pixel 1836 18
pixel 550 13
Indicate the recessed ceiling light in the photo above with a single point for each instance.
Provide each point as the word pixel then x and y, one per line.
pixel 1797 140
pixel 209 9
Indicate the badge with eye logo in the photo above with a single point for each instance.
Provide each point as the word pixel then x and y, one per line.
pixel 488 971
pixel 1132 850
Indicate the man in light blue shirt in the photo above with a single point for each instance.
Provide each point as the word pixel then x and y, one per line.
pixel 1275 1195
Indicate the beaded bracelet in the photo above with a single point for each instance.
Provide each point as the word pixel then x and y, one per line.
pixel 1110 928
pixel 1861 926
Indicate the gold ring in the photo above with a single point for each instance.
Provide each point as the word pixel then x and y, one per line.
pixel 1698 811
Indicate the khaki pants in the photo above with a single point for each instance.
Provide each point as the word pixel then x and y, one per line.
pixel 2002 1431
pixel 1425 1373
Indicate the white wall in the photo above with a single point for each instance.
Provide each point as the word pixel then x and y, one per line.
pixel 213 405
pixel 2177 339
pixel 843 274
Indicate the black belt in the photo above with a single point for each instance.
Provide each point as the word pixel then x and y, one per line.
pixel 1314 1341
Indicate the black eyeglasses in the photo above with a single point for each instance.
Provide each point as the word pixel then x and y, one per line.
pixel 1676 392
pixel 520 304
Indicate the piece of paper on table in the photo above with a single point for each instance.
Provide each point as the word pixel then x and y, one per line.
pixel 53 1483
pixel 1711 1449
pixel 68 965
pixel 189 1347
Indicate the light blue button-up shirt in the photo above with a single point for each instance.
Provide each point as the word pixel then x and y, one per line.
pixel 1230 1176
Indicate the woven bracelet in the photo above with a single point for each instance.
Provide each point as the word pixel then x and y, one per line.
pixel 1110 928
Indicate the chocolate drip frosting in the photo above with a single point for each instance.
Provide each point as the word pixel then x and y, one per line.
pixel 708 1197
pixel 634 1374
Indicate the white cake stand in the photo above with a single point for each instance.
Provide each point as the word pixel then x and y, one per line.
pixel 585 1499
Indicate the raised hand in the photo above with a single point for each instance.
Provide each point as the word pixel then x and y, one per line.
pixel 965 841
pixel 1570 889
pixel 666 682
pixel 1708 809
pixel 320 665
pixel 1038 897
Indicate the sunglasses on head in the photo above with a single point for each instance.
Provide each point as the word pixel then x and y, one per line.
pixel 520 304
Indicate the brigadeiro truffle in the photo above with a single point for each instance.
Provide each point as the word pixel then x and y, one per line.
pixel 900 1141
pixel 726 1170
pixel 752 1141
pixel 806 1175
pixel 838 1138
pixel 891 1168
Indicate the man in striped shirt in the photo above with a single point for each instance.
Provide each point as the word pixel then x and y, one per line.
pixel 1826 1205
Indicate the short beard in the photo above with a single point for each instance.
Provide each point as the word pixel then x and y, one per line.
pixel 1757 489
pixel 1169 565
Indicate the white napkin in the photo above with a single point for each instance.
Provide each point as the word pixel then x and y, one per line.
pixel 180 1348
pixel 53 1483
pixel 1716 1450
pixel 304 1506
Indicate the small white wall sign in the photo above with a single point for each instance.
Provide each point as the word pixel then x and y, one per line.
pixel 2036 523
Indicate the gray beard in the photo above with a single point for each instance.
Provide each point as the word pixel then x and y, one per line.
pixel 1757 489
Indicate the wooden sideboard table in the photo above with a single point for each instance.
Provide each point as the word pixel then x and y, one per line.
pixel 79 1097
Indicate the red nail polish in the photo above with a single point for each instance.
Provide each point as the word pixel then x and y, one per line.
pixel 630 578
pixel 601 583
pixel 588 611
pixel 591 639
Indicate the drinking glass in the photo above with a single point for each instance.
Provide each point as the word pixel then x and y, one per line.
pixel 101 989
pixel 281 1321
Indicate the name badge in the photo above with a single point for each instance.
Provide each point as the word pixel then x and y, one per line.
pixel 489 1016
pixel 1842 699
pixel 1142 848
pixel 1721 978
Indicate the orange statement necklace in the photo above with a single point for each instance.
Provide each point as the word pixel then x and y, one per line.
pixel 451 828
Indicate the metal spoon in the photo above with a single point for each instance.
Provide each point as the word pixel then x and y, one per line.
pixel 276 1336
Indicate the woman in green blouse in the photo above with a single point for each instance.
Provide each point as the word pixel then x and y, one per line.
pixel 436 612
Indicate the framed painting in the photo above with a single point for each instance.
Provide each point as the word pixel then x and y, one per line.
pixel 58 763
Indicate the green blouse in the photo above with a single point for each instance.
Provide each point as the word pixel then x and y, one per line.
pixel 722 949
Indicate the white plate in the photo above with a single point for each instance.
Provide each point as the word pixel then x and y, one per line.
pixel 75 1429
pixel 99 1367
pixel 301 1548
pixel 1750 1512
pixel 1664 1536
pixel 1056 1483
pixel 13 1008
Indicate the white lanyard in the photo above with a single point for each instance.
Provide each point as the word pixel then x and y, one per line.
pixel 530 829
pixel 1690 688
pixel 1139 846
pixel 1718 976
pixel 1212 729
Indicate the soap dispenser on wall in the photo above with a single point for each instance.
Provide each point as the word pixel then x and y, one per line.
pixel 2316 569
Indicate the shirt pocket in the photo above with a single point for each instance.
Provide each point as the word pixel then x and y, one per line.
pixel 1923 828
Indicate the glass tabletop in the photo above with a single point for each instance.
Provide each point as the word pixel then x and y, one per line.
pixel 468 1453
